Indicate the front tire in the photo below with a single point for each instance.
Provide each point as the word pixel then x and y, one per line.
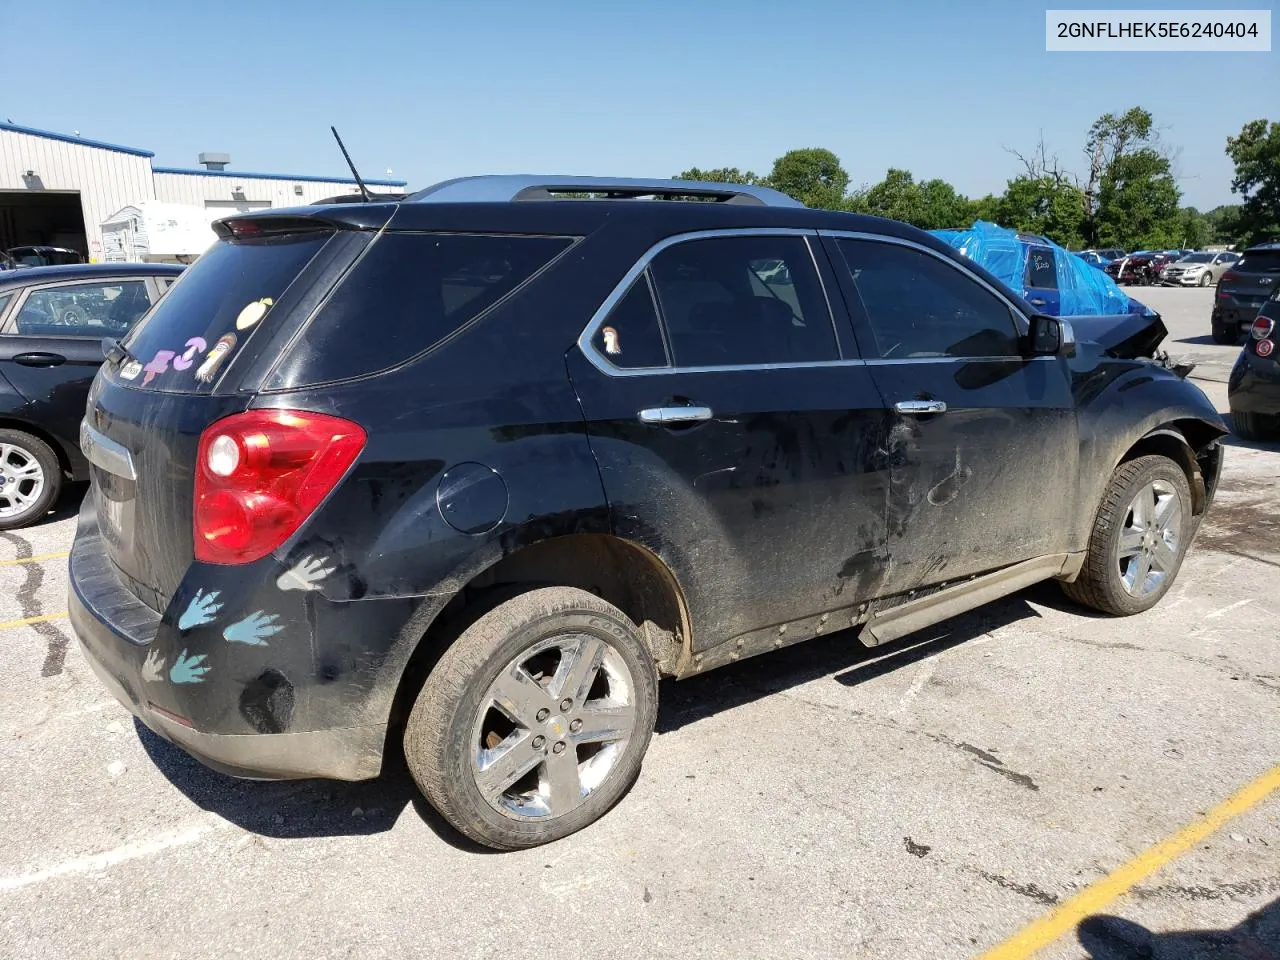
pixel 1206 278
pixel 30 479
pixel 1139 538
pixel 535 720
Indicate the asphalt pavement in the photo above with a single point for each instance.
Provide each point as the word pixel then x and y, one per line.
pixel 927 799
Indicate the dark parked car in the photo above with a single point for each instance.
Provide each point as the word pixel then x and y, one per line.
pixel 1143 268
pixel 476 468
pixel 52 324
pixel 1243 290
pixel 1253 389
pixel 44 256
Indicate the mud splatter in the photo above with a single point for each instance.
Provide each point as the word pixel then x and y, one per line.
pixel 948 488
pixel 916 849
pixel 1028 890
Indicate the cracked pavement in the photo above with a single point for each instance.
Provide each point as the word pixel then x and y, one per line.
pixel 925 799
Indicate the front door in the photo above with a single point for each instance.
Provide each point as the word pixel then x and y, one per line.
pixel 51 344
pixel 983 445
pixel 737 436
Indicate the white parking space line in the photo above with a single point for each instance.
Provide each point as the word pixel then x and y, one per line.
pixel 1227 609
pixel 139 850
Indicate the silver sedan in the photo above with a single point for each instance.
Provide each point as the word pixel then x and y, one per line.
pixel 1198 269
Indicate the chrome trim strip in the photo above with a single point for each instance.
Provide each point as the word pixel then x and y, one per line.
pixel 624 285
pixel 102 451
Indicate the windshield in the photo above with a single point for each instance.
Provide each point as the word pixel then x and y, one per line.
pixel 1197 258
pixel 1259 261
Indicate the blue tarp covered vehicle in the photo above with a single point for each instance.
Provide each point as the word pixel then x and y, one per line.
pixel 1055 282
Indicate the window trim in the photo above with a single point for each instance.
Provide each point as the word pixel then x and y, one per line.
pixel 9 328
pixel 623 287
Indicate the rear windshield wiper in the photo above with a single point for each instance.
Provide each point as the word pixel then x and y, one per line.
pixel 114 352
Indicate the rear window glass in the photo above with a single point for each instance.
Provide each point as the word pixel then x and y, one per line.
pixel 410 291
pixel 213 308
pixel 1259 261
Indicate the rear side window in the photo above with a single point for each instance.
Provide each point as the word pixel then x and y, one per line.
pixel 631 335
pixel 213 308
pixel 734 301
pixel 411 290
pixel 83 309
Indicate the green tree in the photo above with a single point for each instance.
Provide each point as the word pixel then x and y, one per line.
pixel 1194 227
pixel 813 175
pixel 930 205
pixel 1224 224
pixel 720 175
pixel 1138 202
pixel 1256 154
pixel 1046 205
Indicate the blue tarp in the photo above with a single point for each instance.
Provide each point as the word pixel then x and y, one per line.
pixel 1083 290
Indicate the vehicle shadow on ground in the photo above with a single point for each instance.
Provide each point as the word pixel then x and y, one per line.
pixel 301 808
pixel 844 657
pixel 324 808
pixel 1114 938
pixel 1231 440
pixel 1203 339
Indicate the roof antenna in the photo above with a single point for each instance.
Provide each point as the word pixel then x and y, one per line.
pixel 364 191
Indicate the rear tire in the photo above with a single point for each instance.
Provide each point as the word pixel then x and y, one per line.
pixel 535 720
pixel 1225 336
pixel 30 479
pixel 1139 538
pixel 1255 426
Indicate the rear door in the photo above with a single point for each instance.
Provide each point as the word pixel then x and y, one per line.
pixel 983 442
pixel 51 343
pixel 1041 281
pixel 738 436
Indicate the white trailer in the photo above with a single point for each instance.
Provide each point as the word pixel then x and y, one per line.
pixel 151 231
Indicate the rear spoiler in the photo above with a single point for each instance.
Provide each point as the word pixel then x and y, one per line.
pixel 345 216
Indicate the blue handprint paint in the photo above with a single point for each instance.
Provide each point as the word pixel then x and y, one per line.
pixel 188 669
pixel 203 608
pixel 253 629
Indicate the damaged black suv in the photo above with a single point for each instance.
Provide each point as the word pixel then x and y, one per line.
pixel 475 468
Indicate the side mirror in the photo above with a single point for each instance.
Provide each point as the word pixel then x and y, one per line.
pixel 1050 337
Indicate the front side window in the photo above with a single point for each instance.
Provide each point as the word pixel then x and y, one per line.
pixel 918 306
pixel 83 309
pixel 733 301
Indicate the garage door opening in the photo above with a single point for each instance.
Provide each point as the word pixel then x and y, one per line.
pixel 42 217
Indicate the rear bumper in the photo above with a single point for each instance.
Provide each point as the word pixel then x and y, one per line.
pixel 1228 315
pixel 118 634
pixel 1254 386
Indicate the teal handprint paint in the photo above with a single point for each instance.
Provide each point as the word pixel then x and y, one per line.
pixel 203 608
pixel 188 669
pixel 253 629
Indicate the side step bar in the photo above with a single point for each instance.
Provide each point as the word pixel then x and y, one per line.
pixel 913 615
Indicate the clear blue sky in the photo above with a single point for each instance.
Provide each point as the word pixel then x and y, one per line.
pixel 437 90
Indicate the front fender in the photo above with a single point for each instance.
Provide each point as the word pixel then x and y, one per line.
pixel 1121 403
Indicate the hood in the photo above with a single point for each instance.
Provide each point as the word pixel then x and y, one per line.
pixel 1128 336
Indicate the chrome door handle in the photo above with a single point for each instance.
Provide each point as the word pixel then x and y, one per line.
pixel 680 414
pixel 1037 301
pixel 918 407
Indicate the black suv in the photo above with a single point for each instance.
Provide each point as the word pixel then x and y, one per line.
pixel 1243 290
pixel 476 468
pixel 1253 390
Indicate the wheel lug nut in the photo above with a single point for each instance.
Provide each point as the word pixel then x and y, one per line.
pixel 538 741
pixel 543 714
pixel 566 705
pixel 575 725
pixel 559 747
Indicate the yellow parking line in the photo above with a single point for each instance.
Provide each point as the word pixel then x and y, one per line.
pixel 9 624
pixel 36 559
pixel 1063 918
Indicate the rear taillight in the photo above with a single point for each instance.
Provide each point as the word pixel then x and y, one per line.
pixel 1262 328
pixel 1228 277
pixel 261 474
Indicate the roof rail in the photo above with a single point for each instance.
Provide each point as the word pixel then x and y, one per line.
pixel 511 187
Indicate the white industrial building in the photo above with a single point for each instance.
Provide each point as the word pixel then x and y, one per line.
pixel 57 188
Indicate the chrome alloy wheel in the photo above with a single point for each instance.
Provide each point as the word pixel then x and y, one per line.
pixel 552 726
pixel 1147 551
pixel 21 480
